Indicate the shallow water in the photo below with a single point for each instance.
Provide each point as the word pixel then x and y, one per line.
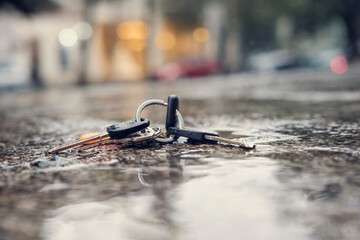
pixel 301 182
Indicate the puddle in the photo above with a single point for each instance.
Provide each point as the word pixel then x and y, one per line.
pixel 229 200
pixel 232 201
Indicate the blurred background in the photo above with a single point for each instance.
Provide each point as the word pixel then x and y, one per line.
pixel 281 74
pixel 62 42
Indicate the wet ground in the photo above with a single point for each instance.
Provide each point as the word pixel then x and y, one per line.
pixel 302 182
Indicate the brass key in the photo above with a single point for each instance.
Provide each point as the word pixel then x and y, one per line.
pixel 243 145
pixel 133 139
pixel 79 142
pixel 118 131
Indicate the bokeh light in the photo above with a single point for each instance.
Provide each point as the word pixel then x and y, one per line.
pixel 136 45
pixel 339 65
pixel 165 41
pixel 201 35
pixel 83 30
pixel 132 30
pixel 67 37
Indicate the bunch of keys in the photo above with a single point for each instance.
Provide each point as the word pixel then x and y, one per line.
pixel 124 133
pixel 173 132
pixel 137 131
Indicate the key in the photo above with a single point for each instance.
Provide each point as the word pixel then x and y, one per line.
pixel 123 129
pixel 242 145
pixel 114 132
pixel 148 134
pixel 205 136
pixel 194 135
pixel 173 105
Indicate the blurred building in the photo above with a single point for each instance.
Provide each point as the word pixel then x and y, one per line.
pixel 14 55
pixel 134 40
pixel 103 41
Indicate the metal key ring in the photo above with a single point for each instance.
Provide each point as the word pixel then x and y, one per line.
pixel 160 102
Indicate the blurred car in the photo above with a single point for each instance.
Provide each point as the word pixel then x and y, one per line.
pixel 275 60
pixel 187 68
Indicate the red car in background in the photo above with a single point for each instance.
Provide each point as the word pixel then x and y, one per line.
pixel 187 68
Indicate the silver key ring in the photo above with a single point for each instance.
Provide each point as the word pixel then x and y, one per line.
pixel 145 104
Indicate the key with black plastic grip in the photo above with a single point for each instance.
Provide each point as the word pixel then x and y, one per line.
pixel 193 135
pixel 114 132
pixel 172 106
pixel 206 137
pixel 124 129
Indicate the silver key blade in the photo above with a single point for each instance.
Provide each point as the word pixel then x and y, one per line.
pixel 229 141
pixel 78 143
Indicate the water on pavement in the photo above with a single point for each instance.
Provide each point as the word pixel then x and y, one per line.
pixel 301 182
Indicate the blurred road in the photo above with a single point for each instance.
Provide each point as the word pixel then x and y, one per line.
pixel 302 182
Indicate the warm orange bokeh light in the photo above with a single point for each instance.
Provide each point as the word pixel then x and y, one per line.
pixel 136 45
pixel 132 30
pixel 339 65
pixel 201 35
pixel 165 41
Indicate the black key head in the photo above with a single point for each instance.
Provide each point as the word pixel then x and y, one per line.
pixel 193 135
pixel 124 129
pixel 173 105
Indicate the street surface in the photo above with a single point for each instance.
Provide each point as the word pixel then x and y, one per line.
pixel 301 182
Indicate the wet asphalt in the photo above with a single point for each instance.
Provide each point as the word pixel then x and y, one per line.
pixel 301 182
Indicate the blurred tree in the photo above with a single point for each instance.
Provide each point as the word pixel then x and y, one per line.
pixel 310 15
pixel 254 20
pixel 29 6
pixel 251 20
pixel 350 13
pixel 185 13
pixel 318 13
